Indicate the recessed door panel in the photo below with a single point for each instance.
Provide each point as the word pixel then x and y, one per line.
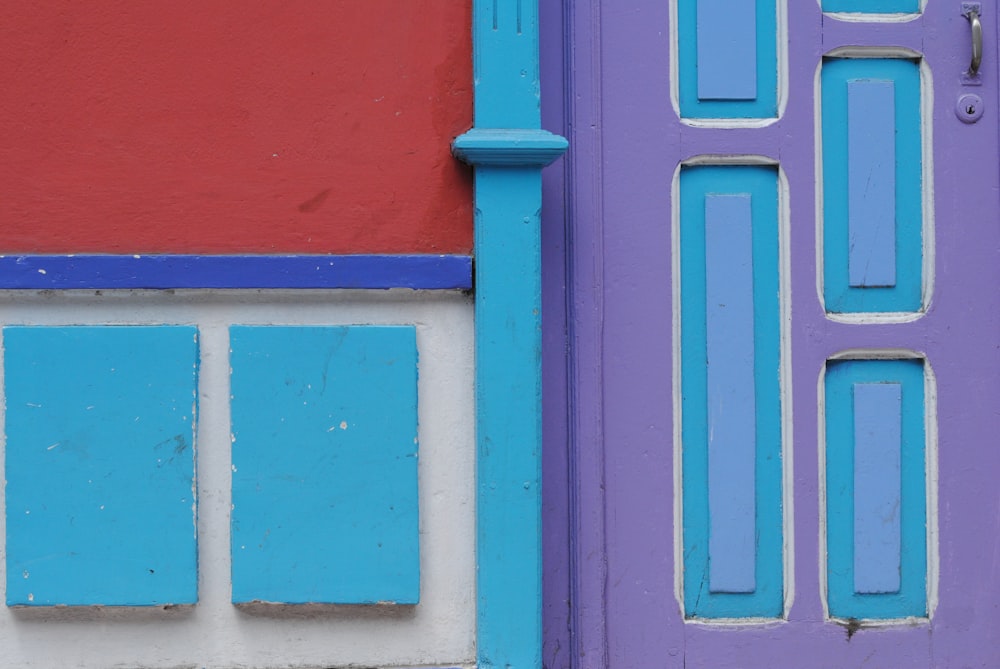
pixel 730 344
pixel 875 477
pixel 873 182
pixel 728 59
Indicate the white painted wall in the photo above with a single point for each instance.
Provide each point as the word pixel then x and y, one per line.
pixel 215 634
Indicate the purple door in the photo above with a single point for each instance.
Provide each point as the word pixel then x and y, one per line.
pixel 785 330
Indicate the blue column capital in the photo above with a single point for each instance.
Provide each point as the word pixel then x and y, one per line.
pixel 509 147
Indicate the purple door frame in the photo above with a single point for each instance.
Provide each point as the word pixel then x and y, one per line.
pixel 555 427
pixel 608 470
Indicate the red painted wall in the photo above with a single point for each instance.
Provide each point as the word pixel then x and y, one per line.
pixel 214 126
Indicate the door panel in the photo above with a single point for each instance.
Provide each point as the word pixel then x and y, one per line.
pixel 921 321
pixel 875 413
pixel 730 69
pixel 730 348
pixel 872 184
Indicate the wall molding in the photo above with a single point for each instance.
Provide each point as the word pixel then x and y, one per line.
pixel 106 272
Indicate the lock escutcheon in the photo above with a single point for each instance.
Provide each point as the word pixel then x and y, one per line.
pixel 969 108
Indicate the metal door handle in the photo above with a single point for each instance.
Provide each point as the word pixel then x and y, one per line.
pixel 977 41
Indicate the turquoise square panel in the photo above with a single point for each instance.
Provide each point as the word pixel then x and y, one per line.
pixel 324 464
pixel 100 465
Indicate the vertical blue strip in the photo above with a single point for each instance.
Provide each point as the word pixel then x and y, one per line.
pixel 727 49
pixel 719 44
pixel 708 196
pixel 871 182
pixel 731 393
pixel 509 428
pixel 860 129
pixel 860 405
pixel 877 438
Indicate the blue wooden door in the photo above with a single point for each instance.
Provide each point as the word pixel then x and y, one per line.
pixel 794 207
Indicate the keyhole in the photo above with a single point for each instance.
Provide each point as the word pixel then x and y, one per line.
pixel 969 108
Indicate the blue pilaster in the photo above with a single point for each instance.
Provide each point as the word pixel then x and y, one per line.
pixel 508 150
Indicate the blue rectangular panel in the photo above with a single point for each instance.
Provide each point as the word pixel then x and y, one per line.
pixel 731 454
pixel 727 55
pixel 727 49
pixel 731 398
pixel 876 506
pixel 871 183
pixel 872 6
pixel 877 415
pixel 100 465
pixel 324 464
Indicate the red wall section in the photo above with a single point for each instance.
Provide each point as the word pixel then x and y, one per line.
pixel 214 126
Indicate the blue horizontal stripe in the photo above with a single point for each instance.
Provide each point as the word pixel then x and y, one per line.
pixel 430 272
